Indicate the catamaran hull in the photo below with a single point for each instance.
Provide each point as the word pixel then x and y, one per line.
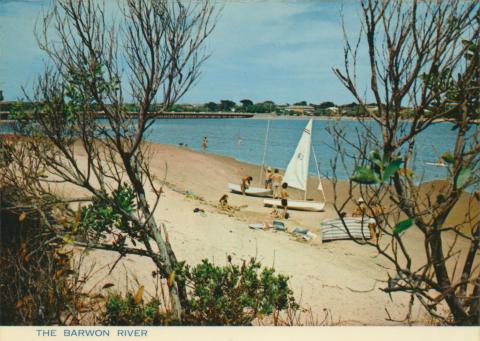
pixel 300 205
pixel 253 191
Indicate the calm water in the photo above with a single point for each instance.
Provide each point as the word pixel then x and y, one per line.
pixel 243 139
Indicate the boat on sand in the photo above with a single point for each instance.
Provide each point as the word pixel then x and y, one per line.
pixel 256 191
pixel 253 191
pixel 296 175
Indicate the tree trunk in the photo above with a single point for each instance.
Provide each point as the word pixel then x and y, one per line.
pixel 459 315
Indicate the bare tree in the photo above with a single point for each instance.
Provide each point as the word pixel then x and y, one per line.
pixel 148 52
pixel 424 65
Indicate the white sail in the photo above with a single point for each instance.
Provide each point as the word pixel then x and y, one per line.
pixel 297 171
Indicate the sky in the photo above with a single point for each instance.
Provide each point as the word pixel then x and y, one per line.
pixel 279 50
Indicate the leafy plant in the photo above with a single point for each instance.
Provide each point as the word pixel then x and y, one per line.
pixel 220 295
pixel 403 225
pixel 379 170
pixel 234 294
pixel 127 311
pixel 106 214
pixel 364 176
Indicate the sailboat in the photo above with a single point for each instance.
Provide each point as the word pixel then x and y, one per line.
pixel 296 175
pixel 256 191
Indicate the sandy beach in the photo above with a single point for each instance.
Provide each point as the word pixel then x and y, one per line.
pixel 340 277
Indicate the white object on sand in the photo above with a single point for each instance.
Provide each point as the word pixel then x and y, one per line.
pixel 309 236
pixel 334 229
pixel 254 191
pixel 301 205
pixel 257 226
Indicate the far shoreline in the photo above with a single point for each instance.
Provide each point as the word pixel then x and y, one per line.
pixel 4 119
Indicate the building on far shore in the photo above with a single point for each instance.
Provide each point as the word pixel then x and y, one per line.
pixel 333 110
pixel 372 108
pixel 301 109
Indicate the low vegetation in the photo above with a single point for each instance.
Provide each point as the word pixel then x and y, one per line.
pixel 231 295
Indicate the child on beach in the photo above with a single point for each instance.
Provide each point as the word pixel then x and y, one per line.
pixel 223 200
pixel 274 213
pixel 284 200
pixel 224 206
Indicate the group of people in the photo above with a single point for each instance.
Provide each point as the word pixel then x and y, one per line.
pixel 273 181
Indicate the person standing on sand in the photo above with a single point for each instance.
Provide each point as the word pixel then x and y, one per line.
pixel 204 145
pixel 245 184
pixel 268 178
pixel 284 200
pixel 276 183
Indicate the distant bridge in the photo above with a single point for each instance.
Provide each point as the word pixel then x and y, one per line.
pixel 177 115
pixel 188 114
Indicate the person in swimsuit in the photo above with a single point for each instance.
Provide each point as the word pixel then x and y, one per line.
pixel 204 143
pixel 276 183
pixel 245 184
pixel 268 178
pixel 284 200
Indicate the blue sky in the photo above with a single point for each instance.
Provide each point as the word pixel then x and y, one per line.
pixel 262 50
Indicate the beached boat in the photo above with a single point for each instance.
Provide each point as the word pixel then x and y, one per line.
pixel 299 205
pixel 334 229
pixel 253 191
pixel 256 191
pixel 296 175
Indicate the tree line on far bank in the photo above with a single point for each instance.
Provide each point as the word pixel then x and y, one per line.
pixel 326 108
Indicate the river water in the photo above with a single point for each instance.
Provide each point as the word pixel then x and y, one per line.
pixel 244 140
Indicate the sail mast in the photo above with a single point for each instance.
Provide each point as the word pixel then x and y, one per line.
pixel 308 164
pixel 264 152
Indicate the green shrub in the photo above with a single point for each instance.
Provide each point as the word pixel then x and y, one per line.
pixel 124 311
pixel 104 216
pixel 232 295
